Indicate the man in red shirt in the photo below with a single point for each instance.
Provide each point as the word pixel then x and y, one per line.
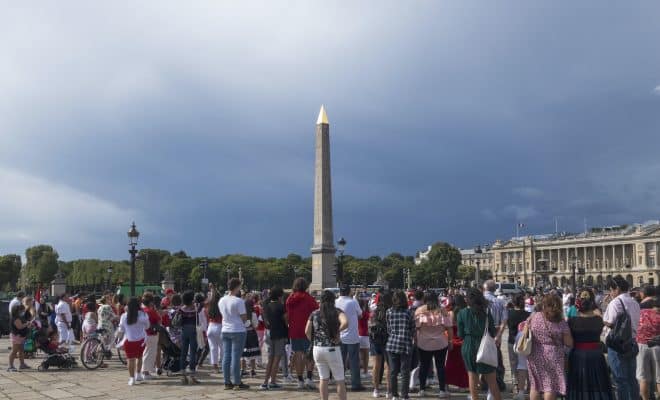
pixel 299 305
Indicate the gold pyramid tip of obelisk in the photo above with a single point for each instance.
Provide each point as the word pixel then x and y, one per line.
pixel 323 117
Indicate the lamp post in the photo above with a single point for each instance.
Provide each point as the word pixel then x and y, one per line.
pixel 133 235
pixel 341 246
pixel 109 271
pixel 574 283
pixel 204 265
pixel 477 253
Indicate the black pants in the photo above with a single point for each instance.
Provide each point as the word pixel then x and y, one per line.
pixel 399 363
pixel 425 358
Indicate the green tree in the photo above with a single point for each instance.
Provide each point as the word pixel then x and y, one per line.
pixel 10 271
pixel 41 264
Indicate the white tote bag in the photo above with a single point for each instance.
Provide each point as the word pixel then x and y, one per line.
pixel 487 353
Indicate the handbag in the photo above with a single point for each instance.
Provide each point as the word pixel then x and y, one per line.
pixel 523 345
pixel 201 343
pixel 487 353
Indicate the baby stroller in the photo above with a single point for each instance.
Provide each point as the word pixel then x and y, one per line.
pixel 54 358
pixel 31 344
pixel 171 353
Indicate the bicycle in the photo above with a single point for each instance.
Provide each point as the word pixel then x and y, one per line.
pixel 94 350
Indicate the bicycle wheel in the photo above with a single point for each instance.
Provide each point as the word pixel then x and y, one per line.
pixel 92 353
pixel 121 355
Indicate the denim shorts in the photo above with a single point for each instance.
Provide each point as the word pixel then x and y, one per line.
pixel 376 349
pixel 299 345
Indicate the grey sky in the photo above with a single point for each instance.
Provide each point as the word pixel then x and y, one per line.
pixel 449 121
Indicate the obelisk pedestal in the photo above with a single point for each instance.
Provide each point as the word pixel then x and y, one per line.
pixel 323 250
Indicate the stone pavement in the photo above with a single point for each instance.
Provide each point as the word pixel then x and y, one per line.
pixel 110 383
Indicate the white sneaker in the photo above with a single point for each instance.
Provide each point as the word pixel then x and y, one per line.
pixel 147 377
pixel 489 396
pixel 375 394
pixel 301 385
pixel 289 379
pixel 131 381
pixel 469 397
pixel 388 395
pixel 395 398
pixel 310 384
pixel 139 377
pixel 443 394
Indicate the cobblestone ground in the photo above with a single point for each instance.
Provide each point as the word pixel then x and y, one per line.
pixel 111 383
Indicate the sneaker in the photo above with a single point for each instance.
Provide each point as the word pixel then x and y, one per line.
pixel 388 395
pixel 395 398
pixel 139 377
pixel 11 369
pixel 229 386
pixel 375 394
pixel 469 397
pixel 519 396
pixel 131 381
pixel 263 386
pixel 364 375
pixel 241 386
pixel 274 386
pixel 147 377
pixel 443 394
pixel 24 366
pixel 422 393
pixel 289 379
pixel 489 396
pixel 309 384
pixel 301 385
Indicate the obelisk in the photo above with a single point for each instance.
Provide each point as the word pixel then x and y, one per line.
pixel 323 250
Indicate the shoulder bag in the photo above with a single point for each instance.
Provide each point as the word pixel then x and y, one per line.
pixel 523 345
pixel 487 353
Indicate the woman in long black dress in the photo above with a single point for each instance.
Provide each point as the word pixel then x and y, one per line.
pixel 588 376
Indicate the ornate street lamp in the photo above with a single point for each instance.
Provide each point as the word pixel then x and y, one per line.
pixel 133 235
pixel 477 253
pixel 109 271
pixel 204 265
pixel 341 246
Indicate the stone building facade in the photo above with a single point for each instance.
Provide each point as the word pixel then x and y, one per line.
pixel 628 250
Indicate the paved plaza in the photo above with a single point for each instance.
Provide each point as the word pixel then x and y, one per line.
pixel 110 383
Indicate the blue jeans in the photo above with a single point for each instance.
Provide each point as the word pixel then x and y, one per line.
pixel 233 344
pixel 188 347
pixel 353 351
pixel 623 370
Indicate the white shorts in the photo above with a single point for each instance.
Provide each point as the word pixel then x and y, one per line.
pixel 364 343
pixel 328 359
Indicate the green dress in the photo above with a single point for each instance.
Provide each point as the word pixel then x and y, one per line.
pixel 471 329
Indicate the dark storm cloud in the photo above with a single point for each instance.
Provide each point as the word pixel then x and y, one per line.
pixel 449 121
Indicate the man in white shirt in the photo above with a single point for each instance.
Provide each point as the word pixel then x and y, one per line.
pixel 232 308
pixel 350 340
pixel 63 320
pixel 623 367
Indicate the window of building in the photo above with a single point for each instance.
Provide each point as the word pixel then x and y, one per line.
pixel 640 260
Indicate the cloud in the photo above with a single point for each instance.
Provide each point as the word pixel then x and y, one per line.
pixel 657 90
pixel 34 210
pixel 528 192
pixel 489 214
pixel 521 212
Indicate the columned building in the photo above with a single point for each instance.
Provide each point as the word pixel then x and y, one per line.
pixel 549 260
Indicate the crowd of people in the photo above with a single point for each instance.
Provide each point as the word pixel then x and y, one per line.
pixel 581 346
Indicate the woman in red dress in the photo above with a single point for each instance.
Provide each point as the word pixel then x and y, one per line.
pixel 455 373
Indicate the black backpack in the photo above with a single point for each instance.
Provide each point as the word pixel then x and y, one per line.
pixel 620 338
pixel 378 330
